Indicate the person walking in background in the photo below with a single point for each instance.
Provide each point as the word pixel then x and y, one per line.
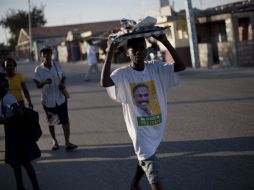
pixel 19 150
pixel 50 78
pixel 17 83
pixel 91 60
pixel 146 131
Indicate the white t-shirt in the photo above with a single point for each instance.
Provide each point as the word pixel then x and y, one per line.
pixel 91 55
pixel 143 95
pixel 51 95
pixel 5 105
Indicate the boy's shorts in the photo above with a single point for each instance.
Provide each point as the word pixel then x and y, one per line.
pixel 151 168
pixel 58 114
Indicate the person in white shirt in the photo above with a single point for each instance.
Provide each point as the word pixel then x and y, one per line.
pixel 91 60
pixel 145 130
pixel 49 77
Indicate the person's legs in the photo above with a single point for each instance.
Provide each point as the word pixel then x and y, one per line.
pixel 18 177
pixel 156 186
pixel 64 120
pixel 137 177
pixel 32 175
pixel 68 145
pixel 92 69
pixel 52 118
pixel 88 74
pixel 95 68
pixel 66 130
pixel 151 167
pixel 53 135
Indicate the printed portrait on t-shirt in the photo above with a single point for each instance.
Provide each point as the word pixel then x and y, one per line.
pixel 146 103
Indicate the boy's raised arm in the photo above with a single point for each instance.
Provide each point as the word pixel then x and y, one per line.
pixel 178 65
pixel 106 80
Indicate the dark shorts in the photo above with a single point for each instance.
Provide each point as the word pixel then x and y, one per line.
pixel 58 114
pixel 151 168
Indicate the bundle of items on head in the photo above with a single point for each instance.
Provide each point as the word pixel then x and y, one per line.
pixel 130 29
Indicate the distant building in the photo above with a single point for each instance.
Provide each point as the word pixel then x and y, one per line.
pixel 54 36
pixel 225 33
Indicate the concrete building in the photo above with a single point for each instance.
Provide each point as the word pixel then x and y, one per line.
pixel 225 33
pixel 65 38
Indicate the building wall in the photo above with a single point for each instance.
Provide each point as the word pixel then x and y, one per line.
pixel 245 53
pixel 181 34
pixel 205 55
pixel 225 53
pixel 22 53
pixel 62 53
pixel 245 39
pixel 230 37
pixel 184 53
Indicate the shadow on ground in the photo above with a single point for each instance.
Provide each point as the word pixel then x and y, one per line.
pixel 217 164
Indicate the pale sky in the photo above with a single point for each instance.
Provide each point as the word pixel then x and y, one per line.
pixel 63 12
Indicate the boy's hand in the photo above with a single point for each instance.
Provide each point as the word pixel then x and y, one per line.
pixel 162 38
pixel 112 45
pixel 61 86
pixel 48 81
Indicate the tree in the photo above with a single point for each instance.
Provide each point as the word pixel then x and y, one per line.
pixel 17 19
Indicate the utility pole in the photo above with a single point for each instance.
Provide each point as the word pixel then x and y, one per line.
pixel 191 23
pixel 30 29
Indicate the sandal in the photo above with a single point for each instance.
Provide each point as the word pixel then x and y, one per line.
pixel 71 147
pixel 55 147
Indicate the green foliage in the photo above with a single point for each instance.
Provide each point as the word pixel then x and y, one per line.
pixel 17 19
pixel 2 46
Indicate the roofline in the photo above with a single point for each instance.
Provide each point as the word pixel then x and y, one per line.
pixel 22 31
